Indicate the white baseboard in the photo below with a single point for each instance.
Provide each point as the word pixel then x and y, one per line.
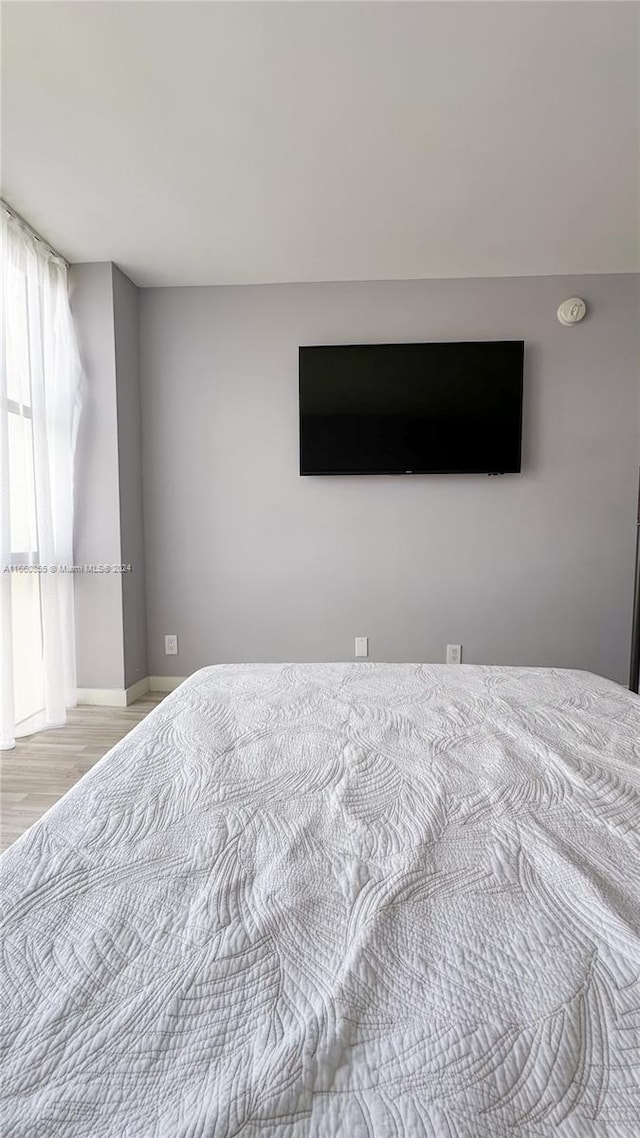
pixel 122 697
pixel 102 697
pixel 137 690
pixel 165 683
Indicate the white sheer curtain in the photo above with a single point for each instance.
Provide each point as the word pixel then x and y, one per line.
pixel 39 409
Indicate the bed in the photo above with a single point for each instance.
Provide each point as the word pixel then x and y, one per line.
pixel 381 900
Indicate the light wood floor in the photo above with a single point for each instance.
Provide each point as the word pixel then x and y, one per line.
pixel 43 766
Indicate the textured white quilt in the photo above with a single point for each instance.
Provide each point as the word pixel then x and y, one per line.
pixel 390 901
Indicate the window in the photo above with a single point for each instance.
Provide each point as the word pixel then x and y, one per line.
pixel 39 386
pixel 26 617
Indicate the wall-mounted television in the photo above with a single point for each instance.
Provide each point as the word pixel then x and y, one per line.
pixel 435 408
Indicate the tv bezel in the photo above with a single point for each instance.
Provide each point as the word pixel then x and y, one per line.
pixel 408 473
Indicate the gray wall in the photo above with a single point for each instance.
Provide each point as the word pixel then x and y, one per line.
pixel 110 608
pixel 98 597
pixel 125 313
pixel 247 561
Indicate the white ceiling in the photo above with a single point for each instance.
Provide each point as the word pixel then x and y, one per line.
pixel 207 143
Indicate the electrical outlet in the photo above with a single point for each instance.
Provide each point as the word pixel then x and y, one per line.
pixel 362 645
pixel 171 645
pixel 454 653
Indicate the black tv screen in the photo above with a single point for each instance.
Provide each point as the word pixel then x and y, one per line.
pixel 442 408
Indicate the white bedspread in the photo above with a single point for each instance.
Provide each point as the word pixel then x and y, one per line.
pixel 343 899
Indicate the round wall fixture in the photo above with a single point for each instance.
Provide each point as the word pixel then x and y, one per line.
pixel 572 311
